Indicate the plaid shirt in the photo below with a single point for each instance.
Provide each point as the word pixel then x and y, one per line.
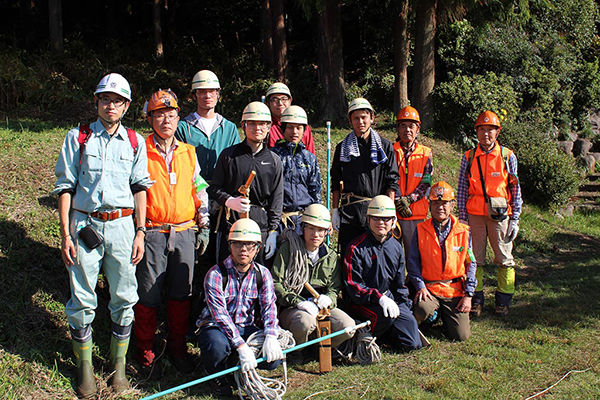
pixel 422 188
pixel 234 306
pixel 462 193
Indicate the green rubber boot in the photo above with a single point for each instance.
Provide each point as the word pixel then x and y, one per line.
pixel 86 383
pixel 118 350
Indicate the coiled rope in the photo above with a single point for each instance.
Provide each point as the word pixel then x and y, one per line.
pixel 297 271
pixel 362 348
pixel 251 383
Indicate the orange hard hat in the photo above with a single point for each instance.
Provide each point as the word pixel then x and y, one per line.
pixel 487 118
pixel 441 191
pixel 408 113
pixel 163 98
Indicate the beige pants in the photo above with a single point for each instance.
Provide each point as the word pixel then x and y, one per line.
pixel 456 323
pixel 408 230
pixel 302 325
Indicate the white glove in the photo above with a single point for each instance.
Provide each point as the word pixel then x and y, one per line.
pixel 324 301
pixel 271 348
pixel 308 306
pixel 239 204
pixel 335 219
pixel 390 308
pixel 512 230
pixel 271 245
pixel 247 358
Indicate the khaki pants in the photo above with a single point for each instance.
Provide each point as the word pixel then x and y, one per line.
pixel 457 324
pixel 302 325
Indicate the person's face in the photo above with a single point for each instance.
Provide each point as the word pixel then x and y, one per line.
pixel 314 236
pixel 361 121
pixel 441 209
pixel 207 98
pixel 293 132
pixel 243 252
pixel 256 131
pixel 487 135
pixel 278 102
pixel 381 226
pixel 164 122
pixel 112 107
pixel 408 131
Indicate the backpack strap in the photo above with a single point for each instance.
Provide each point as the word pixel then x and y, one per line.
pixel 224 273
pixel 133 140
pixel 84 135
pixel 470 154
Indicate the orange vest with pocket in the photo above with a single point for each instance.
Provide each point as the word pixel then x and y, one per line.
pixel 411 175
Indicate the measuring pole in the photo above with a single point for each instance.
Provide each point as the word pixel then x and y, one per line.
pixel 328 171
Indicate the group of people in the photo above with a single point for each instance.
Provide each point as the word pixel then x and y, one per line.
pixel 144 211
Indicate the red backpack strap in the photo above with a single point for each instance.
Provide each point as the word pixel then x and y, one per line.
pixel 133 140
pixel 84 135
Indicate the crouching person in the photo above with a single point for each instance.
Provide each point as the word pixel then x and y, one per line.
pixel 236 290
pixel 441 256
pixel 374 279
pixel 308 259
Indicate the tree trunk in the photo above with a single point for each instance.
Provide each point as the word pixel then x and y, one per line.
pixel 424 76
pixel 279 41
pixel 266 35
pixel 333 105
pixel 110 19
pixel 401 53
pixel 56 28
pixel 158 40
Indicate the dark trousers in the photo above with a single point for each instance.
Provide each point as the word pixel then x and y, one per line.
pixel 347 234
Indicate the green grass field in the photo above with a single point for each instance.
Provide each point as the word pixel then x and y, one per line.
pixel 552 327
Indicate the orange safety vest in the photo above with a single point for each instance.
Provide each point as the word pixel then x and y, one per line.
pixel 171 204
pixel 443 280
pixel 411 175
pixel 495 175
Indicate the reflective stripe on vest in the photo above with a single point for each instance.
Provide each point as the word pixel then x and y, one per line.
pixel 411 178
pixel 457 247
pixel 171 204
pixel 495 176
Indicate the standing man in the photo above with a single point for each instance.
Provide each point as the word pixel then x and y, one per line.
pixel 278 99
pixel 365 162
pixel 102 176
pixel 176 203
pixel 374 279
pixel 415 168
pixel 236 289
pixel 314 262
pixel 489 201
pixel 205 129
pixel 234 166
pixel 301 174
pixel 442 266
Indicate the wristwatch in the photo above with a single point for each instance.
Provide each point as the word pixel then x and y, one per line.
pixel 141 229
pixel 469 294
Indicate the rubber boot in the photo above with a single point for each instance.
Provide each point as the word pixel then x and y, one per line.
pixel 144 330
pixel 86 383
pixel 178 313
pixel 118 350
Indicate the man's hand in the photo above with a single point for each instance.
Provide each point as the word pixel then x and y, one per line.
pixel 67 251
pixel 247 358
pixel 239 204
pixel 464 305
pixel 423 295
pixel 202 239
pixel 272 349
pixel 335 219
pixel 390 308
pixel 308 306
pixel 512 230
pixel 403 206
pixel 324 301
pixel 137 252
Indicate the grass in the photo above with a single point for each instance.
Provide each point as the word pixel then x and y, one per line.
pixel 552 328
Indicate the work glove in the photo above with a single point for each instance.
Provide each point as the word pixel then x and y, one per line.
pixel 324 301
pixel 239 204
pixel 272 349
pixel 335 219
pixel 308 306
pixel 403 206
pixel 202 241
pixel 512 230
pixel 247 358
pixel 390 308
pixel 271 245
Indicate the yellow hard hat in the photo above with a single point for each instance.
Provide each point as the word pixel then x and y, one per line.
pixel 294 114
pixel 317 215
pixel 381 206
pixel 359 104
pixel 205 79
pixel 256 111
pixel 245 230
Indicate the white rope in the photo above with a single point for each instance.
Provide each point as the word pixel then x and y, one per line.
pixel 550 387
pixel 362 348
pixel 251 383
pixel 296 272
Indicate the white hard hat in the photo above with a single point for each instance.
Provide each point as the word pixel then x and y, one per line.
pixel 256 111
pixel 317 215
pixel 278 87
pixel 359 104
pixel 114 83
pixel 205 79
pixel 381 206
pixel 294 114
pixel 245 230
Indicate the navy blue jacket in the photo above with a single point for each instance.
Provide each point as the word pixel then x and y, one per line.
pixel 301 175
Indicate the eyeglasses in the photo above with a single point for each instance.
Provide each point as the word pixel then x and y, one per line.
pixel 382 219
pixel 162 117
pixel 258 124
pixel 207 92
pixel 239 245
pixel 106 101
pixel 283 99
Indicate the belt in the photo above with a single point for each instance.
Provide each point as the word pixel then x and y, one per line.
pixel 445 282
pixel 109 215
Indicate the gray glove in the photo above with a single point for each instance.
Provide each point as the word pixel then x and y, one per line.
pixel 202 239
pixel 512 230
pixel 403 206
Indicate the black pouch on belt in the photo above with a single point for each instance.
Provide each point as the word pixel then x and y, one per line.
pixel 90 237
